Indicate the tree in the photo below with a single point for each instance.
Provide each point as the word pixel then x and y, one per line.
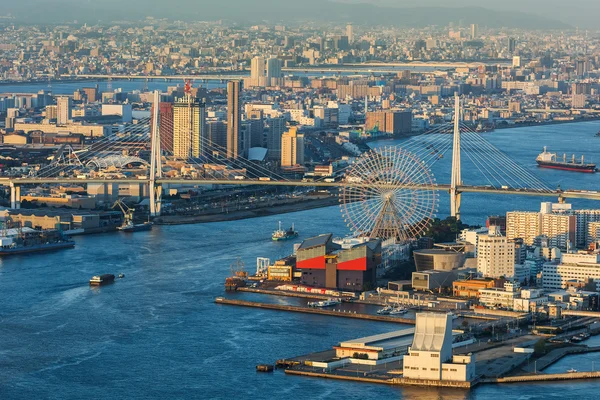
pixel 465 323
pixel 540 347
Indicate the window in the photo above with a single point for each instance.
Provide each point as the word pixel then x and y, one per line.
pixel 435 355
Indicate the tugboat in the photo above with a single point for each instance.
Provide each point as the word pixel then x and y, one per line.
pixel 550 160
pixel 128 225
pixel 280 234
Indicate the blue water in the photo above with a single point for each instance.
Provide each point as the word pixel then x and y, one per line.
pixel 157 334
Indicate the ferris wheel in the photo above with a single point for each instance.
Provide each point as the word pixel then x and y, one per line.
pixel 388 194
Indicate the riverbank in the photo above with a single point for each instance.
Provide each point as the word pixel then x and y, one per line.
pixel 245 214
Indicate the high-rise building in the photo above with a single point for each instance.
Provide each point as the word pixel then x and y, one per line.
pixel 217 136
pixel 350 33
pixel 495 255
pixel 274 66
pixel 189 128
pixel 257 71
pixel 166 125
pixel 341 43
pixel 234 104
pixel 51 112
pixel 473 31
pixel 292 148
pixel 64 108
pixel 512 45
pixel 392 122
pixel 91 93
pixel 276 128
pixel 524 225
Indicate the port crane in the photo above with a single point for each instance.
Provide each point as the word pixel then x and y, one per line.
pixel 126 210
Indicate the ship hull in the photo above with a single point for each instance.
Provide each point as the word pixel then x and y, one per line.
pixel 36 248
pixel 565 167
pixel 136 228
pixel 277 239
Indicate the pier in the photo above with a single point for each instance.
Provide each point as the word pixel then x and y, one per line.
pixel 306 310
pixel 544 377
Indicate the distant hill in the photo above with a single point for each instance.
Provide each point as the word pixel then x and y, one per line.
pixel 55 11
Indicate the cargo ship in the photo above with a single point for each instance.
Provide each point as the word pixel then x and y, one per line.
pixel 99 280
pixel 550 160
pixel 280 234
pixel 26 240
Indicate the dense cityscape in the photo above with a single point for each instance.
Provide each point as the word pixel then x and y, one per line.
pixel 440 178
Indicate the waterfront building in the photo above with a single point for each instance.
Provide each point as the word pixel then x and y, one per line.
pixel 292 148
pixel 189 128
pixel 495 255
pixel 323 263
pixel 391 122
pixel 234 100
pixel 430 355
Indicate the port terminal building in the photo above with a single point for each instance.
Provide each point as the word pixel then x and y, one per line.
pixel 430 355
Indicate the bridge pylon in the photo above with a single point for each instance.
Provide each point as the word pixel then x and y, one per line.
pixel 456 180
pixel 155 190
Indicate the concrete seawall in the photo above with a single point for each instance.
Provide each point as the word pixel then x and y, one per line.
pixel 544 377
pixel 306 310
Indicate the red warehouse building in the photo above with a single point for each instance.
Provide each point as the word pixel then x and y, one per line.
pixel 325 264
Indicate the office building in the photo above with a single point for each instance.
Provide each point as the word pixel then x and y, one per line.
pixel 234 104
pixel 495 255
pixel 122 110
pixel 573 267
pixel 166 126
pixel 64 109
pixel 189 128
pixel 292 148
pixel 430 356
pixel 391 122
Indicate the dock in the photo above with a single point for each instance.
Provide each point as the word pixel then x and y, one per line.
pixel 306 310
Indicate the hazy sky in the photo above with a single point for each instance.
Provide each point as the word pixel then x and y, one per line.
pixel 573 12
pixel 583 13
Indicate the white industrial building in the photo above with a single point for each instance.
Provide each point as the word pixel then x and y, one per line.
pixel 430 356
pixel 500 297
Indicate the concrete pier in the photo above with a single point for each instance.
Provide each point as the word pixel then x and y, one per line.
pixel 544 377
pixel 331 313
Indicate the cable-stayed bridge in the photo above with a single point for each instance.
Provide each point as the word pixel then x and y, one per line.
pixel 390 185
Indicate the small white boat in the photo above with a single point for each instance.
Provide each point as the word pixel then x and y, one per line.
pixel 385 310
pixel 572 370
pixel 398 311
